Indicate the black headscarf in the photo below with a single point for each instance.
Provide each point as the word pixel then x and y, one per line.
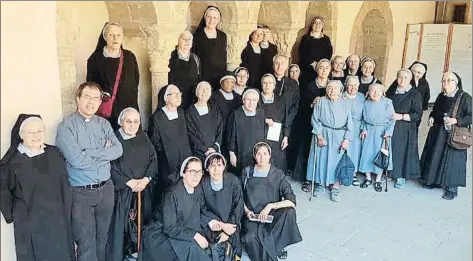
pixel 423 64
pixel 201 25
pixel 15 137
pixel 459 85
pixel 101 43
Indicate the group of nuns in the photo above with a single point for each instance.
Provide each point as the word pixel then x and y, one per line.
pixel 219 184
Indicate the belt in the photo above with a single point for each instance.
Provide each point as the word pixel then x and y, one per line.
pixel 93 186
pixel 333 128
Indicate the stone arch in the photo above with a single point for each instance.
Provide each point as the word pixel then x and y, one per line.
pixel 73 23
pixel 277 15
pixel 372 34
pixel 326 9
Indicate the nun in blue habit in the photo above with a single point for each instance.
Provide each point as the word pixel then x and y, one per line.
pixel 376 125
pixel 355 101
pixel 332 128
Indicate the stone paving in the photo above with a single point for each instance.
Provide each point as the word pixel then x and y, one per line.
pixel 410 224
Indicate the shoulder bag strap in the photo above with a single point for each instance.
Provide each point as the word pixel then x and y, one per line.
pixel 457 104
pixel 118 76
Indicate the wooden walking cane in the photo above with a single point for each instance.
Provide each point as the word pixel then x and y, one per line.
pixel 139 221
pixel 313 170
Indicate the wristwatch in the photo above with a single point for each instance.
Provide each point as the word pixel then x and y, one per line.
pixel 149 178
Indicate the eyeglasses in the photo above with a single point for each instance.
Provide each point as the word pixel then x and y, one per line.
pixel 251 100
pixel 130 122
pixel 447 80
pixel 94 99
pixel 242 76
pixel 33 133
pixel 177 94
pixel 194 173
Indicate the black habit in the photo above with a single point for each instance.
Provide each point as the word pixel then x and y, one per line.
pixel 139 160
pixel 305 130
pixel 313 50
pixel 37 197
pixel 171 142
pixel 441 164
pixel 205 131
pixel 225 205
pixel 405 139
pixel 253 62
pixel 422 87
pixel 212 54
pixel 364 87
pixel 289 89
pixel 276 110
pixel 267 55
pixel 264 241
pixel 103 71
pixel 243 132
pixel 185 75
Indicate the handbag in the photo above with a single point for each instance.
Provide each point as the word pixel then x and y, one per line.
pixel 459 137
pixel 344 170
pixel 105 109
pixel 382 158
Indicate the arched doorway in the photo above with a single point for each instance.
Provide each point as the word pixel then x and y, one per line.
pixel 372 34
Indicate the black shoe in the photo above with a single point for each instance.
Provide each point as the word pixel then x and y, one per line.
pixel 449 195
pixel 428 186
pixel 282 255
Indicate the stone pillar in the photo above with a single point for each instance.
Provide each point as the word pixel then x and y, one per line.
pixel 468 13
pixel 285 38
pixel 236 42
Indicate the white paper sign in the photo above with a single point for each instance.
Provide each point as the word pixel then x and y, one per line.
pixel 274 131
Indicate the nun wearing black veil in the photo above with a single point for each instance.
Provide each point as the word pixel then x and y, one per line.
pixel 103 65
pixel 210 45
pixel 36 195
pixel 134 172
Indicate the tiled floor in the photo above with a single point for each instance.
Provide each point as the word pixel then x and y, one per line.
pixel 410 224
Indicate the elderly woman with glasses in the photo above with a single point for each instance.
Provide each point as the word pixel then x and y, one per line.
pixel 167 131
pixel 441 164
pixel 36 195
pixel 368 66
pixel 246 126
pixel 223 204
pixel 134 172
pixel 268 196
pixel 103 67
pixel 332 131
pixel 407 103
pixel 241 75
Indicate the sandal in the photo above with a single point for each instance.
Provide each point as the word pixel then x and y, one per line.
pixel 378 187
pixel 366 183
pixel 355 182
pixel 282 254
pixel 306 186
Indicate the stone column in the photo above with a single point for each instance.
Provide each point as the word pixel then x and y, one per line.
pixel 285 38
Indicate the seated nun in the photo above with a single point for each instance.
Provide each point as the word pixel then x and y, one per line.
pixel 355 100
pixel 204 124
pixel 267 191
pixel 275 113
pixel 184 68
pixel 223 198
pixel 103 67
pixel 36 195
pixel 332 128
pixel 368 65
pixel 246 126
pixel 168 132
pixel 377 128
pixel 176 233
pixel 241 75
pixel 131 174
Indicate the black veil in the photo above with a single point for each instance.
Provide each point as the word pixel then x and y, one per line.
pixel 201 25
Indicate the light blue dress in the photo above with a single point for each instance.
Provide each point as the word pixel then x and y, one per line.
pixel 377 122
pixel 332 120
pixel 356 106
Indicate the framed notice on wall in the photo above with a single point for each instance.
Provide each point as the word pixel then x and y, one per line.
pixel 442 47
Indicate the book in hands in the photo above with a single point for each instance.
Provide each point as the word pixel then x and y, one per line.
pixel 255 217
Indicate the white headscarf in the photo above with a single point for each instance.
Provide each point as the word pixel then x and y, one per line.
pixel 122 114
pixel 215 154
pixel 168 91
pixel 28 120
pixel 184 164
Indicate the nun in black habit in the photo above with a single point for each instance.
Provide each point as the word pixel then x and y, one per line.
pixel 267 191
pixel 204 124
pixel 251 57
pixel 268 51
pixel 102 68
pixel 275 112
pixel 441 164
pixel 176 233
pixel 407 104
pixel 36 195
pixel 167 131
pixel 210 45
pixel 131 173
pixel 184 68
pixel 246 126
pixel 419 81
pixel 223 198
pixel 368 65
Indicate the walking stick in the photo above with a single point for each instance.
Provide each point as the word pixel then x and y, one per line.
pixel 313 170
pixel 139 221
pixel 386 146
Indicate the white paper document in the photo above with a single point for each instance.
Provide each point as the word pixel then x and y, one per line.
pixel 274 131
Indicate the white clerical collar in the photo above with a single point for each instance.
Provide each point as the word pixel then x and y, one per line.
pixel 368 79
pixel 227 95
pixel 268 100
pixel 124 135
pixel 403 90
pixel 248 113
pixel 451 94
pixel 202 110
pixel 25 150
pixel 216 186
pixel 172 115
pixel 349 96
pixel 106 54
pixel 239 90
